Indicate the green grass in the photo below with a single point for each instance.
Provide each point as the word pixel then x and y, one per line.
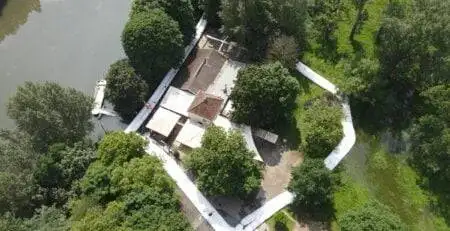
pixel 373 173
pixel 333 69
pixel 370 27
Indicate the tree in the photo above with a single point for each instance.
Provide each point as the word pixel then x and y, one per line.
pixel 17 162
pixel 212 10
pixel 117 148
pixel 251 23
pixel 139 173
pixel 290 16
pixel 430 138
pixel 153 43
pixel 264 96
pixel 59 168
pixel 224 165
pixel 372 216
pixel 96 184
pixel 412 52
pixel 321 128
pixel 311 184
pixel 47 219
pixel 139 196
pixel 285 50
pixel 324 16
pixel 10 223
pixel 50 113
pixel 125 89
pixel 179 10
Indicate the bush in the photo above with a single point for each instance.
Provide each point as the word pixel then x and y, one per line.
pixel 312 185
pixel 321 128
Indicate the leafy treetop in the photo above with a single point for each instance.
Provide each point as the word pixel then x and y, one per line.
pixel 125 89
pixel 153 42
pixel 179 10
pixel 312 184
pixel 264 96
pixel 50 113
pixel 371 216
pixel 224 165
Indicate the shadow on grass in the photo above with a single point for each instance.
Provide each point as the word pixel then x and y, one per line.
pixel 320 219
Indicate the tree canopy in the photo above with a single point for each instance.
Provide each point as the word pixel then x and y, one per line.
pixel 312 185
pixel 430 138
pixel 251 23
pixel 17 161
pixel 119 147
pixel 59 168
pixel 224 165
pixel 372 216
pixel 153 43
pixel 212 10
pixel 264 96
pixel 413 48
pixel 285 50
pixel 321 127
pixel 126 190
pixel 125 89
pixel 179 10
pixel 50 113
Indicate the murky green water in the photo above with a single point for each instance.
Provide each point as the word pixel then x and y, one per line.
pixel 388 178
pixel 69 41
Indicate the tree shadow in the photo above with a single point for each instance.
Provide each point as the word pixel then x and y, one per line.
pixel 289 133
pixel 358 49
pixel 324 214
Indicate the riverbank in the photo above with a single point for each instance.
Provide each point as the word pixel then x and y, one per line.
pixel 36 44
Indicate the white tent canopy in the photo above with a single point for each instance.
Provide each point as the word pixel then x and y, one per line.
pixel 163 121
pixel 191 134
pixel 177 101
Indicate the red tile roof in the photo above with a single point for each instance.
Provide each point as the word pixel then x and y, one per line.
pixel 206 105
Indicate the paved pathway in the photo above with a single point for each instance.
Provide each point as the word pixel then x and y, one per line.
pixel 349 138
pixel 255 219
pixel 165 83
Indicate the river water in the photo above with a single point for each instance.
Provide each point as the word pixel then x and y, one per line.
pixel 72 42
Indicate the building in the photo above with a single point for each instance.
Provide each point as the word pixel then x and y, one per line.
pixel 205 108
pixel 185 113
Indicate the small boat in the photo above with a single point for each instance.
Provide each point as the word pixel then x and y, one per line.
pixel 99 95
